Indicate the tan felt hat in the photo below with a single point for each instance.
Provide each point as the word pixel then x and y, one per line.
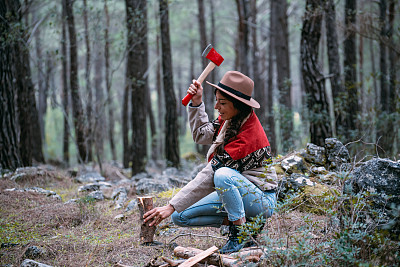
pixel 239 86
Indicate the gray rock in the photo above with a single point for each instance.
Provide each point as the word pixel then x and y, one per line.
pixel 141 175
pixel 119 217
pixel 93 186
pixel 39 190
pixel 293 184
pixel 34 252
pixel 96 195
pixel 147 186
pixel 336 153
pixel 132 205
pixel 381 178
pixel 315 154
pixel 32 263
pixel 120 196
pixel 293 164
pixel 89 177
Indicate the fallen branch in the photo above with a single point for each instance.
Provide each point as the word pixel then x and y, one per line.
pixel 191 234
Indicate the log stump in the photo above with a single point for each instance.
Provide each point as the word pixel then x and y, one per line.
pixel 146 232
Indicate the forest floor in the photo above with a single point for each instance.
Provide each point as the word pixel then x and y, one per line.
pixel 87 234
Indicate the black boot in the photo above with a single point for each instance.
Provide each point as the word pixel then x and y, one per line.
pixel 233 244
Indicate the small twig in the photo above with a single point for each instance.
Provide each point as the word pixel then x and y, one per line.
pixel 118 264
pixel 191 234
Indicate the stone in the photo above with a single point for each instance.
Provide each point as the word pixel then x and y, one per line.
pixel 96 195
pixel 119 217
pixel 293 184
pixel 318 170
pixel 34 252
pixel 336 153
pixel 315 154
pixel 94 186
pixel 89 177
pixel 32 263
pixel 293 164
pixel 132 205
pixel 147 186
pixel 120 196
pixel 379 178
pixel 38 190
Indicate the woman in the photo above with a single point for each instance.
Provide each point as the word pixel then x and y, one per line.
pixel 229 190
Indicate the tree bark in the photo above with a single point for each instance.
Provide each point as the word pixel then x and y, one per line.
pixel 171 135
pixel 9 151
pixel 270 85
pixel 259 93
pixel 108 84
pixel 79 119
pixel 350 66
pixel 208 93
pixel 243 37
pixel 89 104
pixel 334 61
pixel 146 232
pixel 65 89
pixel 283 74
pixel 320 127
pixel 137 76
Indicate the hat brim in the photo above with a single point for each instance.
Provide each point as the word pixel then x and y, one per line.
pixel 252 102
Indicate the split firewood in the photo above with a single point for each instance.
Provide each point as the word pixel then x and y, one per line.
pixel 197 258
pixel 214 258
pixel 146 232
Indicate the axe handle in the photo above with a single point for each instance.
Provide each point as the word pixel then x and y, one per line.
pixel 201 79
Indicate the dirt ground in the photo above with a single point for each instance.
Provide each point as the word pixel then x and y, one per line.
pixel 86 234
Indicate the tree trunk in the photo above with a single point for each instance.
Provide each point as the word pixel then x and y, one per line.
pixel 313 80
pixel 9 152
pixel 283 74
pixel 383 54
pixel 350 66
pixel 137 76
pixel 171 135
pixel 108 84
pixel 208 93
pixel 259 93
pixel 334 61
pixel 79 119
pixel 160 98
pixel 99 115
pixel 89 107
pixel 270 86
pixel 243 37
pixel 65 89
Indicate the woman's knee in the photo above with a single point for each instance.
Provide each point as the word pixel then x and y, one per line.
pixel 176 219
pixel 222 175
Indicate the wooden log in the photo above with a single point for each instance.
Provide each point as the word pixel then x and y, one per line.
pixel 215 258
pixel 146 232
pixel 197 258
pixel 172 263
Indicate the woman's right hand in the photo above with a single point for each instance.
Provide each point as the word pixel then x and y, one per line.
pixel 196 89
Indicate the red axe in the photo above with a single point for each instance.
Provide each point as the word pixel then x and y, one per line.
pixel 216 60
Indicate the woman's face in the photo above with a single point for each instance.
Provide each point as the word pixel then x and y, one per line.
pixel 225 107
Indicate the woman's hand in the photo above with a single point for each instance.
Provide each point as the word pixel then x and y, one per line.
pixel 196 90
pixel 158 214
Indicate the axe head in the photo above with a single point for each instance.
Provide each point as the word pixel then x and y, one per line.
pixel 212 55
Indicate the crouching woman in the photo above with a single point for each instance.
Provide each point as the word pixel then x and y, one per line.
pixel 237 184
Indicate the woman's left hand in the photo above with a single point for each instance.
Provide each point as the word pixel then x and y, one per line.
pixel 158 214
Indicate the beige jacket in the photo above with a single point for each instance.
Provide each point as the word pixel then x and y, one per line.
pixel 203 184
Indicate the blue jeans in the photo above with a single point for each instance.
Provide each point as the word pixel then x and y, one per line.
pixel 235 197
